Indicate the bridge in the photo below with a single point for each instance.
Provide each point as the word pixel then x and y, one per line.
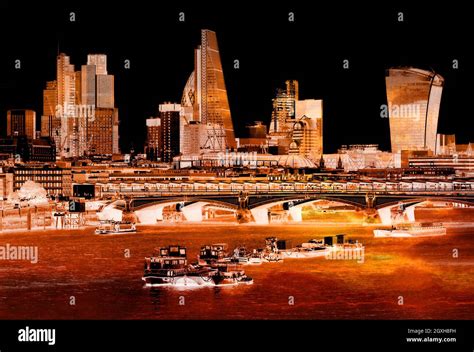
pixel 258 203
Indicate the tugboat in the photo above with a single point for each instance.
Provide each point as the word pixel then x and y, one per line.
pixel 170 268
pixel 111 227
pixel 412 230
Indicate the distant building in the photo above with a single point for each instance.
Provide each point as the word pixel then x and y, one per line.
pixel 6 184
pixel 414 98
pixel 307 134
pixel 79 109
pixel 445 144
pixel 361 156
pixel 57 181
pixel 102 132
pixel 170 131
pixel 153 139
pixel 24 149
pixel 205 96
pixel 296 127
pixel 462 164
pixel 21 123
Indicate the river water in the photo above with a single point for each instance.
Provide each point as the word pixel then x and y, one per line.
pixel 95 274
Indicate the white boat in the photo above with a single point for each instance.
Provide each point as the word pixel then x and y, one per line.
pixel 311 249
pixel 412 230
pixel 111 227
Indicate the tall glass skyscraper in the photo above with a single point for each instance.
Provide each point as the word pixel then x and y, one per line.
pixel 205 95
pixel 414 98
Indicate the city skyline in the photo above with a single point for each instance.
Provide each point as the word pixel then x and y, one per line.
pixel 250 91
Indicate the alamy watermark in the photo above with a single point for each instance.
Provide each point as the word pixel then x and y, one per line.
pixel 11 252
pixel 76 110
pixel 401 111
pixel 237 158
pixel 348 253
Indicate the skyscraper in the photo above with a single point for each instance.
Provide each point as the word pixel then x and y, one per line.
pixel 284 107
pixel 21 123
pixel 50 122
pixel 414 98
pixel 296 126
pixel 66 99
pixel 79 109
pixel 307 134
pixel 153 138
pixel 205 96
pixel 97 96
pixel 170 131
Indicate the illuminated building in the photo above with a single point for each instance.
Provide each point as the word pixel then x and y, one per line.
pixel 284 107
pixel 445 144
pixel 296 127
pixel 102 134
pixel 170 129
pixel 153 138
pixel 54 179
pixel 414 98
pixel 21 122
pixel 307 133
pixel 462 164
pixel 50 123
pixel 67 141
pixel 79 109
pixel 205 96
pixel 361 156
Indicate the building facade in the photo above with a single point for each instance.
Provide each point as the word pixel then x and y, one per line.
pixel 57 181
pixel 21 122
pixel 413 97
pixel 170 131
pixel 79 109
pixel 205 96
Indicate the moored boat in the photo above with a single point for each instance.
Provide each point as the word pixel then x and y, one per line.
pixel 111 227
pixel 412 230
pixel 170 268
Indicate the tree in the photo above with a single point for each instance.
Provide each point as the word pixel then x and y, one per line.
pixel 31 192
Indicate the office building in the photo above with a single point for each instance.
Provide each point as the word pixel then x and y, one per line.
pixel 414 98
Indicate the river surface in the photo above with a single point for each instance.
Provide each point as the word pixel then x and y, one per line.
pixel 95 274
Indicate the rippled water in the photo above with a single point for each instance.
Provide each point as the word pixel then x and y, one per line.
pixel 107 285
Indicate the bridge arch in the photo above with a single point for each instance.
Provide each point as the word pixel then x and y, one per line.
pixel 151 212
pixel 260 209
pixel 388 216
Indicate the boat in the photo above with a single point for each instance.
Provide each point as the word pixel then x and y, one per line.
pixel 412 230
pixel 111 227
pixel 213 253
pixel 230 275
pixel 271 252
pixel 244 257
pixel 318 247
pixel 227 269
pixel 170 268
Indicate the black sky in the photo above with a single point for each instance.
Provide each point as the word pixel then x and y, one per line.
pixel 270 49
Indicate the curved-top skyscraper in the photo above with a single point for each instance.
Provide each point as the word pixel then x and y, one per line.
pixel 414 98
pixel 205 96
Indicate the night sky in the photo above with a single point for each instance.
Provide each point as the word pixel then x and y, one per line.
pixel 270 49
